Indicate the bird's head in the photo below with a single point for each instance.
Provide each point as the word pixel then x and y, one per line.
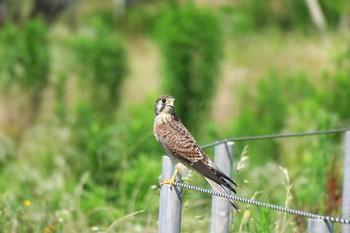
pixel 164 104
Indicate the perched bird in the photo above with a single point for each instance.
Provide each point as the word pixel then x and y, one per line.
pixel 182 148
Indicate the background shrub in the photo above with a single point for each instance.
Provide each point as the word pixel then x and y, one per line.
pixel 264 108
pixel 103 63
pixel 27 63
pixel 103 67
pixel 24 74
pixel 339 85
pixel 272 13
pixel 191 47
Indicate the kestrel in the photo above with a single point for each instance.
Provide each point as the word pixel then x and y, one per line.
pixel 182 148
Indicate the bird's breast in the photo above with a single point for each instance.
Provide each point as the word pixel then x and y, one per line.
pixel 162 118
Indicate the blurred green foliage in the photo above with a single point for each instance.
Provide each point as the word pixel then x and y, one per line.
pixel 141 18
pixel 103 68
pixel 100 161
pixel 27 63
pixel 103 64
pixel 339 85
pixel 191 47
pixel 334 12
pixel 235 21
pixel 291 103
pixel 264 108
pixel 272 13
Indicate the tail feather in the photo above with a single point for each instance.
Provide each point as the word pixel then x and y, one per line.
pixel 219 188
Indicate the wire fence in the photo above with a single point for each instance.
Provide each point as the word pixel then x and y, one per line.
pixel 275 136
pixel 263 204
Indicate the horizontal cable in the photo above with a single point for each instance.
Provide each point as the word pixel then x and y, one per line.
pixel 273 136
pixel 262 204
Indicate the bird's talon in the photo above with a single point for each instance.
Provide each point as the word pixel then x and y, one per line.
pixel 167 181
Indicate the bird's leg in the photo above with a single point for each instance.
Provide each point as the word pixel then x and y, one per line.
pixel 171 180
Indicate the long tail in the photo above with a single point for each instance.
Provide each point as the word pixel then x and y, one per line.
pixel 217 187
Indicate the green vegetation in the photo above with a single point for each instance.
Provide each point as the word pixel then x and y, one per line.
pixel 77 152
pixel 25 67
pixel 103 65
pixel 191 48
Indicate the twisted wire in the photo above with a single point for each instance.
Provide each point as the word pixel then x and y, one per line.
pixel 273 136
pixel 262 204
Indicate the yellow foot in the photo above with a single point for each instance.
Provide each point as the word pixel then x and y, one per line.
pixel 169 181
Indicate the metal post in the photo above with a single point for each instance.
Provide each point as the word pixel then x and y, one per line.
pixel 346 183
pixel 170 201
pixel 220 209
pixel 319 226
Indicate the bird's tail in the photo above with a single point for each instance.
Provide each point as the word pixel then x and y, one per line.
pixel 219 188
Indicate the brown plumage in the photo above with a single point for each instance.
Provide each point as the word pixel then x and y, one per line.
pixel 181 147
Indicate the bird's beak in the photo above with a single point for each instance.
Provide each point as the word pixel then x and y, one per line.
pixel 170 103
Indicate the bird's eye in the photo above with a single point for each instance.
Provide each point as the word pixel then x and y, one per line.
pixel 163 101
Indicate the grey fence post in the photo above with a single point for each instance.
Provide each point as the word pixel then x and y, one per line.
pixel 170 201
pixel 346 183
pixel 220 209
pixel 319 226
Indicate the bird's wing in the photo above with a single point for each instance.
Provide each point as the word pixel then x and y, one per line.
pixel 175 139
